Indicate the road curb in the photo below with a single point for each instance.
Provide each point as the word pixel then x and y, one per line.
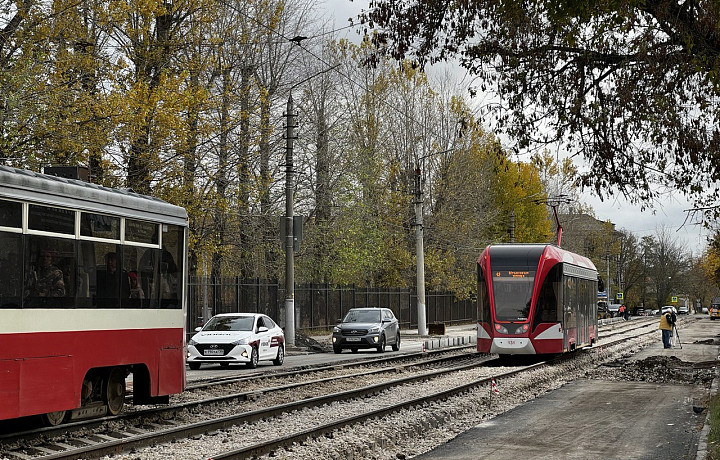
pixel 705 432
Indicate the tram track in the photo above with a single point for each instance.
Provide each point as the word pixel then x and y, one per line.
pixel 161 430
pixel 301 381
pixel 319 431
pixel 135 438
pixel 322 430
pixel 628 326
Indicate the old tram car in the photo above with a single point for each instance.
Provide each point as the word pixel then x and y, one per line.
pixel 92 289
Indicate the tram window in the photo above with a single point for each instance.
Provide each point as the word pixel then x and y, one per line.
pixel 106 281
pixel 99 226
pixel 546 309
pixel 10 214
pixel 46 284
pixel 139 266
pixel 10 270
pixel 171 266
pixel 48 219
pixel 570 300
pixel 141 232
pixel 148 271
pixel 483 299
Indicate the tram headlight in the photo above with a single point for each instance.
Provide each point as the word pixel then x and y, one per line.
pixel 501 329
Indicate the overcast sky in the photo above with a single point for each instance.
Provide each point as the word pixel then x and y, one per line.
pixel 668 211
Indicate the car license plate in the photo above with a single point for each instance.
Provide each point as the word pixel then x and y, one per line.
pixel 213 352
pixel 353 339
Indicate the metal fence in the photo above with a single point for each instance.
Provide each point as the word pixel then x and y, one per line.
pixel 318 307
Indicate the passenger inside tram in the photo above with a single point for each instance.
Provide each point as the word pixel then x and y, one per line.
pixel 112 284
pixel 136 291
pixel 48 280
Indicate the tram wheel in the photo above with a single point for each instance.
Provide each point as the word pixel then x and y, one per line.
pixel 53 418
pixel 115 390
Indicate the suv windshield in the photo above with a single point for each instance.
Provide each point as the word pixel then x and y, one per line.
pixel 362 316
pixel 230 323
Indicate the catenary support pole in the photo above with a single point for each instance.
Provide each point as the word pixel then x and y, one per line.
pixel 607 282
pixel 289 239
pixel 420 255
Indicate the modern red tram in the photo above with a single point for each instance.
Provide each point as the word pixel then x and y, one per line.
pixel 92 289
pixel 535 299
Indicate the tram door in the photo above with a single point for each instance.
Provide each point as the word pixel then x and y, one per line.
pixel 587 302
pixel 582 325
pixel 584 311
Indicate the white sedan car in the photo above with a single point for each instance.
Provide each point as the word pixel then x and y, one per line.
pixel 237 338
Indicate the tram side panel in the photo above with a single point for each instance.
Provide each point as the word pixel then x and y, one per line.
pixel 26 388
pixel 547 334
pixel 580 317
pixel 46 370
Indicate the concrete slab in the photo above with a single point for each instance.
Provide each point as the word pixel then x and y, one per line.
pixel 587 420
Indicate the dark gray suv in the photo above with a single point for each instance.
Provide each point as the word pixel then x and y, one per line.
pixel 367 328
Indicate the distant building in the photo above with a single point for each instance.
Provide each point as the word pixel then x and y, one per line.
pixel 584 234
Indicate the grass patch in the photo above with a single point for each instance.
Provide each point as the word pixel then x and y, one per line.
pixel 713 447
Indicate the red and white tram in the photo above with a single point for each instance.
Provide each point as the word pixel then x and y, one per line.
pixel 92 289
pixel 535 299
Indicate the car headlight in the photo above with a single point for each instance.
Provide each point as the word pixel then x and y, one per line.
pixel 375 330
pixel 192 342
pixel 244 341
pixel 336 329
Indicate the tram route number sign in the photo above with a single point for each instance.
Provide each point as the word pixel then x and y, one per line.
pixel 514 274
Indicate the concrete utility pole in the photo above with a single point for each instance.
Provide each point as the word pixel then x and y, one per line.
pixel 607 283
pixel 420 253
pixel 289 232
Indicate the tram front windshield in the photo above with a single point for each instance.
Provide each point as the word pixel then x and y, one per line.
pixel 512 292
